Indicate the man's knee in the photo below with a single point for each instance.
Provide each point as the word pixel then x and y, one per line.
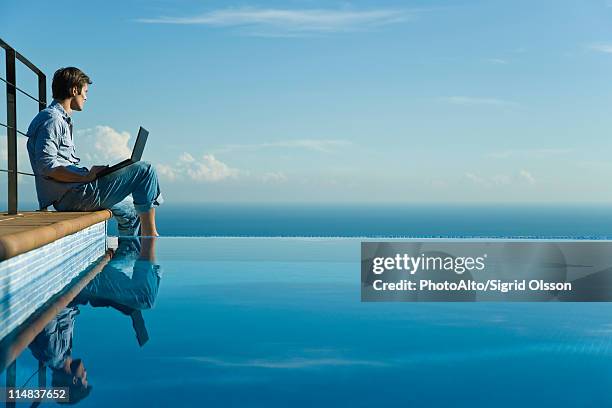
pixel 143 165
pixel 146 168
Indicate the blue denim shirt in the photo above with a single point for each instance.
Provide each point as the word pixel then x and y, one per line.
pixel 50 145
pixel 54 343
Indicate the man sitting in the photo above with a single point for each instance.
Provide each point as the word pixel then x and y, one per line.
pixel 61 183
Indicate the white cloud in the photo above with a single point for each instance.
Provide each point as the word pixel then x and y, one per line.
pixel 167 172
pixel 605 48
pixel 186 158
pixel 471 101
pixel 287 20
pixel 205 169
pixel 209 169
pixel 319 145
pixel 498 61
pixel 102 145
pixel 527 176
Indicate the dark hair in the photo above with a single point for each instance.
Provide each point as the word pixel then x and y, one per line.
pixel 76 390
pixel 65 79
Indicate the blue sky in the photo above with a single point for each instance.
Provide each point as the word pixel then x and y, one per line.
pixel 412 101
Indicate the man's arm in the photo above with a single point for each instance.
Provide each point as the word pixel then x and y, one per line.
pixel 64 174
pixel 46 151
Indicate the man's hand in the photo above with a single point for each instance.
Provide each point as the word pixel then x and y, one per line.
pixel 93 172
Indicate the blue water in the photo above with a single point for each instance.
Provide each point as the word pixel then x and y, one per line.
pixel 278 322
pixel 355 220
pixel 380 220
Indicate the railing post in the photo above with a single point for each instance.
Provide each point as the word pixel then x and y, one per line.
pixel 11 131
pixel 42 91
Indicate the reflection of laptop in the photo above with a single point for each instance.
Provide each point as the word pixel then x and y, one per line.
pixel 139 146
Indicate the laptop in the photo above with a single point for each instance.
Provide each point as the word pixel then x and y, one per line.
pixel 139 146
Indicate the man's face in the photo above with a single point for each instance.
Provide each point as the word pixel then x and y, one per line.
pixel 78 100
pixel 78 371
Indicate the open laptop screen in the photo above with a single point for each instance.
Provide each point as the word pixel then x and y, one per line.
pixel 141 141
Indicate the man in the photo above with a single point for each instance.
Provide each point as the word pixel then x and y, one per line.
pixel 53 347
pixel 61 183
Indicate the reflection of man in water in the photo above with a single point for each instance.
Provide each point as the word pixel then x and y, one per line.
pixel 53 347
pixel 112 287
pixel 129 281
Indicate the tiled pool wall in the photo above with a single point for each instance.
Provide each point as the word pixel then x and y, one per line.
pixel 28 280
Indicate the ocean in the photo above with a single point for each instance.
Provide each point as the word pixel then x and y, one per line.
pixel 383 220
pixel 589 221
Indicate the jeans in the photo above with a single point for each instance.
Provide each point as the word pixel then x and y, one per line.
pixel 127 279
pixel 112 191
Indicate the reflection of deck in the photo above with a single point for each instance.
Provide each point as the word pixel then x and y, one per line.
pixel 30 230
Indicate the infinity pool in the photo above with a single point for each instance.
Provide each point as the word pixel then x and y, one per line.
pixel 264 322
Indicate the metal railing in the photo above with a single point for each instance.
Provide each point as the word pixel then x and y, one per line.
pixel 12 57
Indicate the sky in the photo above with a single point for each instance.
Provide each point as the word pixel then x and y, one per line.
pixel 325 101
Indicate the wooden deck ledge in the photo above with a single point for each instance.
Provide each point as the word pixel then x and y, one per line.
pixel 30 230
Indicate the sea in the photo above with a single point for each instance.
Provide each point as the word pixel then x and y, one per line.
pixel 384 220
pixel 572 221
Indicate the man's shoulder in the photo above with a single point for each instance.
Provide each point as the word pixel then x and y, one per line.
pixel 51 113
pixel 48 118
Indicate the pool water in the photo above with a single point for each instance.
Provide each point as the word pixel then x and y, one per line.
pixel 267 322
